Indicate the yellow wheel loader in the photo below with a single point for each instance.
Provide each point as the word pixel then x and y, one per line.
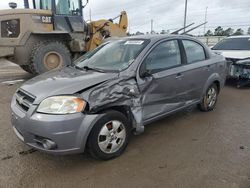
pixel 52 33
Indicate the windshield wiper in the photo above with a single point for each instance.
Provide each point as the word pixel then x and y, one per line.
pixel 87 68
pixel 91 68
pixel 75 66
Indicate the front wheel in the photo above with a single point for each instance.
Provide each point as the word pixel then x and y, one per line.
pixel 210 98
pixel 109 137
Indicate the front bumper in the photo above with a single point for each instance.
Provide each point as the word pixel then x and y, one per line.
pixel 69 132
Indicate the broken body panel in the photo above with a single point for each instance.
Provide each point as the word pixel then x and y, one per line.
pixel 240 70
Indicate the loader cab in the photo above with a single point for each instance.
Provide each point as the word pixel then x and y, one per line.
pixel 67 14
pixel 68 7
pixel 60 7
pixel 42 4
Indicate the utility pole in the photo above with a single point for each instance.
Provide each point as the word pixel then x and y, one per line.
pixel 205 21
pixel 152 25
pixel 185 16
pixel 90 14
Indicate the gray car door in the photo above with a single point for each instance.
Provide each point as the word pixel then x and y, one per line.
pixel 197 70
pixel 162 90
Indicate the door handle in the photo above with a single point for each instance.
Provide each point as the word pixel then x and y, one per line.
pixel 179 76
pixel 207 67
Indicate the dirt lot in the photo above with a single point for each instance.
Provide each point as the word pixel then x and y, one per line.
pixel 189 149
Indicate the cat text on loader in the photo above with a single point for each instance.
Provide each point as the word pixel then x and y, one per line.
pixel 52 34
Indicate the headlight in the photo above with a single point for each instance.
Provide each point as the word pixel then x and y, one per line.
pixel 61 105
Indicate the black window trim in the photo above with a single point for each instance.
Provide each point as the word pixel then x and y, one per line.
pixel 184 51
pixel 154 46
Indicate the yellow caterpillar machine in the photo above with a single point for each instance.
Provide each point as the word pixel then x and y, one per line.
pixel 51 34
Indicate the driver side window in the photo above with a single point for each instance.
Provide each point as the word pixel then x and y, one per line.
pixel 68 7
pixel 164 56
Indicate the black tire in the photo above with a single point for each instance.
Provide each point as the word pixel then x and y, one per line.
pixel 48 55
pixel 26 68
pixel 206 104
pixel 95 136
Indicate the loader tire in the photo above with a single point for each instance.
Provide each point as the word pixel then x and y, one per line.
pixel 48 55
pixel 26 68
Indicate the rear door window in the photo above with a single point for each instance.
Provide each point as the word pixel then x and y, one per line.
pixel 194 51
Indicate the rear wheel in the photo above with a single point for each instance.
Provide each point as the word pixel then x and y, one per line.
pixel 109 137
pixel 210 98
pixel 49 55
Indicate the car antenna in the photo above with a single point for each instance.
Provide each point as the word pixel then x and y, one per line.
pixel 177 31
pixel 186 32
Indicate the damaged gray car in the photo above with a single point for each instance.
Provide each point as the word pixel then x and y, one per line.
pixel 114 90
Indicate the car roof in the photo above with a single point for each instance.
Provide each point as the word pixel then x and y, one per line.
pixel 157 37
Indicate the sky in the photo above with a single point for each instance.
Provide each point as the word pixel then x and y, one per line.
pixel 168 14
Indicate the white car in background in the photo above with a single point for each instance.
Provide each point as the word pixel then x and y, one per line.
pixel 234 48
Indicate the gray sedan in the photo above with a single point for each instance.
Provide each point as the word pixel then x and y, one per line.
pixel 114 90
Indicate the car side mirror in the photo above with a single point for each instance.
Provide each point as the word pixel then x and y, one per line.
pixel 144 72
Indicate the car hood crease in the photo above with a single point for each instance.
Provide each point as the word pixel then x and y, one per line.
pixel 64 82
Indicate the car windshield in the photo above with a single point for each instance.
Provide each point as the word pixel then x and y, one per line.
pixel 113 56
pixel 233 44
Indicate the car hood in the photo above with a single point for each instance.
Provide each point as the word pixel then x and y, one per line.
pixel 234 54
pixel 63 82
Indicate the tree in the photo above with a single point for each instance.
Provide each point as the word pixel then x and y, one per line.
pixel 139 33
pixel 219 31
pixel 163 32
pixel 209 33
pixel 248 31
pixel 153 32
pixel 239 32
pixel 229 31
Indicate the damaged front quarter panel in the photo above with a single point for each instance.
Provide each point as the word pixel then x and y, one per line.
pixel 119 91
